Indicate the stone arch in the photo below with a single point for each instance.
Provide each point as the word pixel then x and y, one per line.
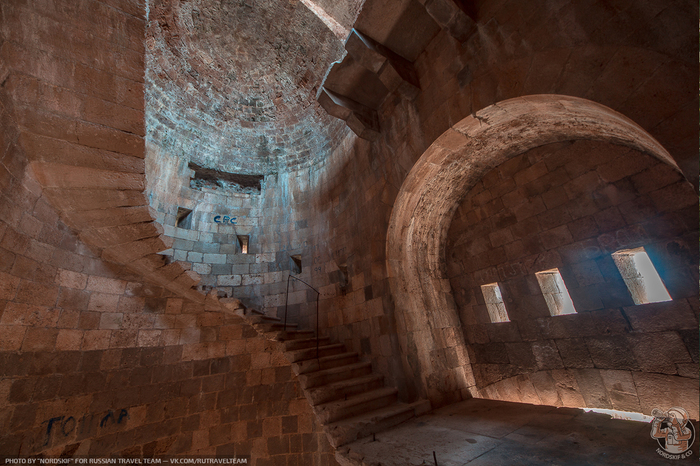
pixel 433 348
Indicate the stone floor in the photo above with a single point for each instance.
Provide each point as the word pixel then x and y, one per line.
pixel 492 433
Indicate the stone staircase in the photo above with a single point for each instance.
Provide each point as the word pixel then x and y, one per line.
pixel 349 400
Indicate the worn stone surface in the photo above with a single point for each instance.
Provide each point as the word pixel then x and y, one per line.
pixel 485 432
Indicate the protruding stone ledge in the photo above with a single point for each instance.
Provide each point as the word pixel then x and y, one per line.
pixel 361 119
pixel 394 71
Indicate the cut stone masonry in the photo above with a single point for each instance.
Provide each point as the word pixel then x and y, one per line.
pixel 349 400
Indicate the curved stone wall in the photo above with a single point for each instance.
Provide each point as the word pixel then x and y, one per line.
pixel 96 357
pixel 232 85
pixel 570 206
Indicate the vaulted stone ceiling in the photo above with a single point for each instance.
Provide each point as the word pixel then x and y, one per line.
pixel 232 84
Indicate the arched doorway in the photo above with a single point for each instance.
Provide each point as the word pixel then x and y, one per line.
pixel 433 347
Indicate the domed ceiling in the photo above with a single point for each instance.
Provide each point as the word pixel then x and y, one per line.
pixel 231 84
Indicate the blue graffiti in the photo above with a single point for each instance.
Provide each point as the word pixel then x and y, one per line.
pixel 226 220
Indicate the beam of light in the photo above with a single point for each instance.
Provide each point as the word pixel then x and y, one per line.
pixel 656 291
pixel 340 32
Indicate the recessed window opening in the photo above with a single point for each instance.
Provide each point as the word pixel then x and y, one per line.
pixel 183 218
pixel 296 263
pixel 640 276
pixel 555 293
pixel 243 243
pixel 494 302
pixel 214 179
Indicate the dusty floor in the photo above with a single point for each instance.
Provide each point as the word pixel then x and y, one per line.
pixel 491 433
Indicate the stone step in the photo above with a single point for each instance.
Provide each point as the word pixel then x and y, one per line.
pixel 357 427
pixel 336 374
pixel 276 326
pixel 267 318
pixel 282 335
pixel 337 410
pixel 292 345
pixel 263 319
pixel 325 362
pixel 310 353
pixel 344 388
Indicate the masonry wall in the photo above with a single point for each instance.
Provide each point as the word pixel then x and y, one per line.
pixel 270 219
pixel 521 49
pixel 570 206
pixel 94 360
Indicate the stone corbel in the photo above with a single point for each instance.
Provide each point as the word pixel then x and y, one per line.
pixel 361 119
pixel 394 71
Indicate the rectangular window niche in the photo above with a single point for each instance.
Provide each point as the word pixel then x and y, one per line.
pixel 243 243
pixel 640 276
pixel 494 302
pixel 555 293
pixel 183 218
pixel 295 265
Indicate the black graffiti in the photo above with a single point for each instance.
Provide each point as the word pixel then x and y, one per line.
pixel 67 425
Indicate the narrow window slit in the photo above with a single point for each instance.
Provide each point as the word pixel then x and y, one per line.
pixel 494 303
pixel 183 218
pixel 296 263
pixel 555 293
pixel 640 276
pixel 243 243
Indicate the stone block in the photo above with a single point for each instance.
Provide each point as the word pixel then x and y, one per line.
pixel 567 388
pixel 69 340
pixel 655 317
pixel 553 326
pixel 204 269
pixel 103 302
pixel 574 353
pixel 673 390
pixel 36 293
pixel 521 355
pixel 362 120
pixel 619 381
pixel 11 337
pixel 609 322
pixel 110 320
pixel 40 339
pixel 504 331
pixel 70 279
pixel 547 355
pixel 106 285
pixel 546 388
pixel 529 330
pixel 95 340
pixel 611 353
pixel 8 286
pixel 556 237
pixel 195 257
pixel 221 269
pixel 588 298
pixel 592 388
pixel 659 352
pixel 214 258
